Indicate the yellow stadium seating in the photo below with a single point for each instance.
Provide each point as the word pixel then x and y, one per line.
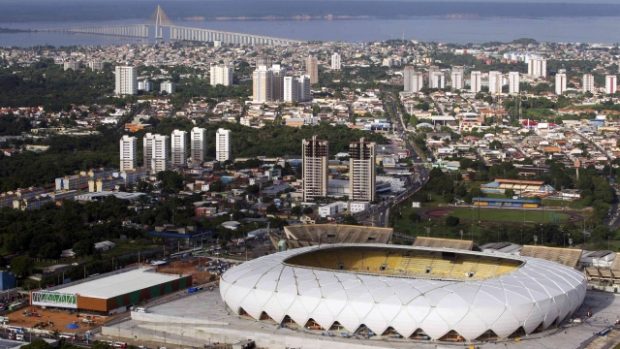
pixel 428 264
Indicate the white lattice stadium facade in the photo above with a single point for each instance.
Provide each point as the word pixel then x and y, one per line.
pixel 410 292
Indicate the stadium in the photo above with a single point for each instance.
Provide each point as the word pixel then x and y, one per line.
pixel 411 292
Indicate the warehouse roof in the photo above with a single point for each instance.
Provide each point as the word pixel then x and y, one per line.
pixel 119 284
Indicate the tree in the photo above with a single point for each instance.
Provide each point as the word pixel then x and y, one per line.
pixel 452 221
pixel 22 266
pixel 296 210
pixel 171 182
pixel 83 248
pixel 38 344
pixel 415 217
pixel 509 193
pixel 349 219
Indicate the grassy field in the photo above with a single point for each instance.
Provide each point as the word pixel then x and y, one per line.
pixel 508 215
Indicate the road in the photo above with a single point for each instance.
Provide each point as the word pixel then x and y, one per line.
pixel 379 214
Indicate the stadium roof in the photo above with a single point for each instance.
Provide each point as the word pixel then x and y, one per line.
pixel 537 294
pixel 444 243
pixel 567 256
pixel 119 284
pixel 337 233
pixel 616 264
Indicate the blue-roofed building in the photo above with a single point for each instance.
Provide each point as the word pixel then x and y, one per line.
pixel 501 202
pixel 185 235
pixel 7 281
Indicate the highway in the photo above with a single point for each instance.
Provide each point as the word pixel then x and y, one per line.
pixel 379 214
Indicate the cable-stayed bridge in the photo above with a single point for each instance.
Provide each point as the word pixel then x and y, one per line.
pixel 162 27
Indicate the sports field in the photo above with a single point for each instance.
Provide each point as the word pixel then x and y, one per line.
pixel 509 215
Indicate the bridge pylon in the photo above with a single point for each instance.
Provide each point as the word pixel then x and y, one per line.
pixel 161 20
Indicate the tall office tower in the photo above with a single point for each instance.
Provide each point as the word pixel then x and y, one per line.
pixel 537 67
pixel 560 82
pixel 362 170
pixel 291 89
pixel 147 149
pixel 160 158
pixel 514 80
pixel 495 82
pixel 178 148
pixel 305 93
pixel 456 78
pixel 262 84
pixel 475 84
pixel 222 145
pixel 277 82
pixel 128 152
pixel 198 138
pixel 314 165
pixel 436 79
pixel 611 84
pixel 126 80
pixel 312 69
pixel 587 83
pixel 336 61
pixel 221 74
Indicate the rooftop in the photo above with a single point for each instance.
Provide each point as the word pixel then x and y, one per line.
pixel 119 284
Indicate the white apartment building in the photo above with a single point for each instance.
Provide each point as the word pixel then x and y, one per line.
pixel 198 139
pixel 128 153
pixel 362 174
pixel 436 79
pixel 336 61
pixel 297 89
pixel 95 65
pixel 145 85
pixel 126 80
pixel 475 83
pixel 560 82
pixel 222 145
pixel 587 83
pixel 262 79
pixel 160 158
pixel 514 81
pixel 291 89
pixel 167 86
pixel 457 77
pixel 178 148
pixel 221 74
pixel 496 82
pixel 147 149
pixel 537 67
pixel 73 65
pixel 611 84
pixel 413 81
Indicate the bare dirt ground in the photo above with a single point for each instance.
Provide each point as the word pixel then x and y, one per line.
pixel 54 320
pixel 196 267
